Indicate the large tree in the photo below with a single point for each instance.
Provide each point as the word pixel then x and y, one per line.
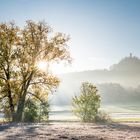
pixel 31 45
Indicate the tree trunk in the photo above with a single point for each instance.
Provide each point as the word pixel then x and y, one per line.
pixel 21 102
pixel 11 105
pixel 12 111
pixel 20 109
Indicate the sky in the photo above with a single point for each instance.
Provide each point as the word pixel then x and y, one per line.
pixel 102 31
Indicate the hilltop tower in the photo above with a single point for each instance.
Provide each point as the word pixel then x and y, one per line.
pixel 130 55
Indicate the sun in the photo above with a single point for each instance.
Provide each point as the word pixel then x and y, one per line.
pixel 42 65
pixel 59 68
pixel 52 68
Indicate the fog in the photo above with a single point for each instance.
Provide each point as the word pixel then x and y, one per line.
pixel 118 85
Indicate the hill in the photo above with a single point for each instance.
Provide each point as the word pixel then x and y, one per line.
pixel 119 84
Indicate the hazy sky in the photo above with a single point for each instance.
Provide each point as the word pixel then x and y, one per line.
pixel 101 31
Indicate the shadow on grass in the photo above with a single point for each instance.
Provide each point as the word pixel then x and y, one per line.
pixel 45 130
pixel 5 126
pixel 125 127
pixel 116 126
pixel 19 131
pixel 40 131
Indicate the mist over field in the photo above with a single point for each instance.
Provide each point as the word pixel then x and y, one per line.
pixel 118 85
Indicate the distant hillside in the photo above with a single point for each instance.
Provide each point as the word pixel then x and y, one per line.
pixel 128 64
pixel 126 73
pixel 119 84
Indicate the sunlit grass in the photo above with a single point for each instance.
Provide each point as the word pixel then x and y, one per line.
pixel 121 108
pixel 126 120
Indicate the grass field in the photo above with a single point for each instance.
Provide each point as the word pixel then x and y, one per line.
pixel 122 113
pixel 118 113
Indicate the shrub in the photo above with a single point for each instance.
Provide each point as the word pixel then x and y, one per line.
pixel 7 114
pixel 36 112
pixel 44 111
pixel 102 117
pixel 86 105
pixel 31 111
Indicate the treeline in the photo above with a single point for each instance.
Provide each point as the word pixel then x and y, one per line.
pixel 111 93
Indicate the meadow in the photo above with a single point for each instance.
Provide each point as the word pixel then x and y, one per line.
pixel 118 113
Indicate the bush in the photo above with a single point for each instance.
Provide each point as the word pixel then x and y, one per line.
pixel 102 117
pixel 31 111
pixel 7 114
pixel 86 105
pixel 36 112
pixel 44 111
